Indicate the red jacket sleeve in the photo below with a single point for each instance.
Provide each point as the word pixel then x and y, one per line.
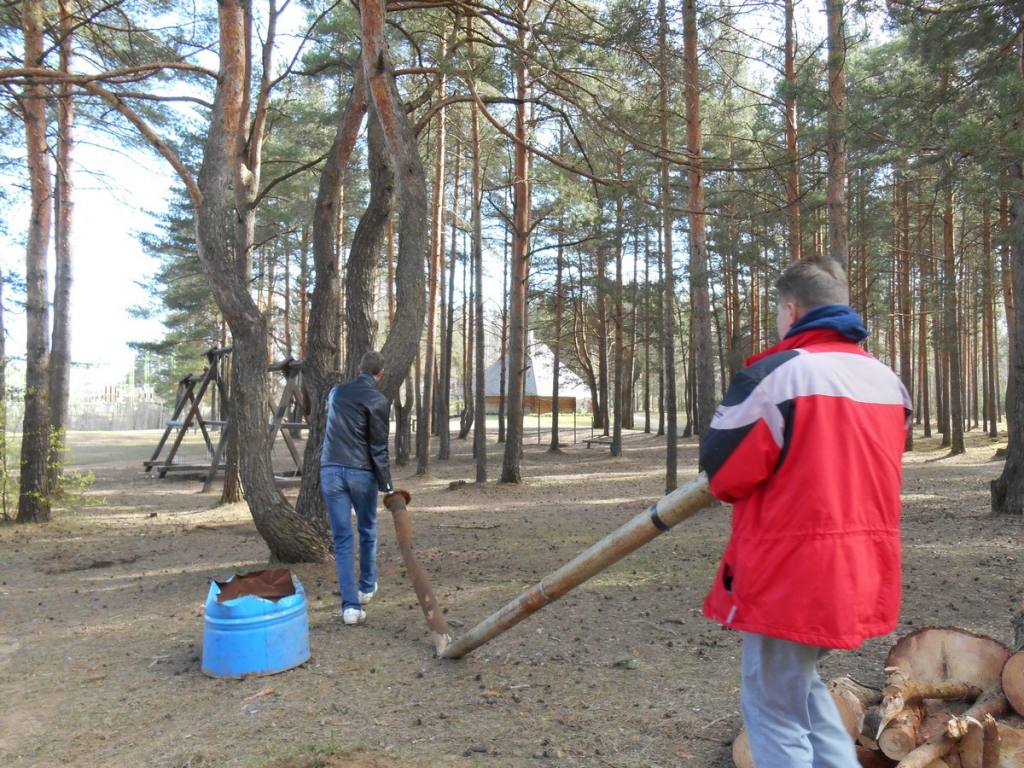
pixel 746 438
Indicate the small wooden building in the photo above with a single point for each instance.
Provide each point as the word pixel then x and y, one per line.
pixel 573 394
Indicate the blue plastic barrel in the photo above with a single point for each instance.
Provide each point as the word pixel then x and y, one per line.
pixel 251 635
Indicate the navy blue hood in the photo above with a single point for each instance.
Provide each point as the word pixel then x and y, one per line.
pixel 836 317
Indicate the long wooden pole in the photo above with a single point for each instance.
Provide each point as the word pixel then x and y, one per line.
pixel 396 502
pixel 671 510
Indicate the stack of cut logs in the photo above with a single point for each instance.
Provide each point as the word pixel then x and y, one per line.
pixel 953 699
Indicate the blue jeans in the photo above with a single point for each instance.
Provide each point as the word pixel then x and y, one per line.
pixel 789 714
pixel 345 489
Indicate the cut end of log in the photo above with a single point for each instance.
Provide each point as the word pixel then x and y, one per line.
pixel 394 495
pixel 937 654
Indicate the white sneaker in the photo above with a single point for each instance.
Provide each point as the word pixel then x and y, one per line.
pixel 353 616
pixel 366 597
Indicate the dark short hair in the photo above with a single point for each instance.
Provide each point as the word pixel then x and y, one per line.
pixel 814 282
pixel 372 363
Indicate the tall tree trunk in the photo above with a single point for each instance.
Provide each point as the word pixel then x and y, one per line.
pixel 474 364
pixel 480 417
pixel 990 344
pixel 1007 490
pixel 926 282
pixel 434 268
pixel 1009 310
pixel 404 410
pixel 245 170
pixel 557 349
pixel 838 243
pixel 470 383
pixel 689 369
pixel 417 391
pixel 647 333
pixel 620 387
pixel 906 301
pixel 602 412
pixel 447 321
pixel 286 310
pixel 792 156
pixel 704 357
pixel 5 468
pixel 632 377
pixel 403 341
pixel 503 352
pixel 951 332
pixel 34 499
pixel 304 289
pixel 320 373
pixel 367 244
pixel 289 536
pixel 669 301
pixel 60 343
pixel 511 470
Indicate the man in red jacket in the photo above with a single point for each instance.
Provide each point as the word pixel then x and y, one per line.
pixel 807 446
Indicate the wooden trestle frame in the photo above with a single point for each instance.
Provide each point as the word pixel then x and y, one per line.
pixel 191 391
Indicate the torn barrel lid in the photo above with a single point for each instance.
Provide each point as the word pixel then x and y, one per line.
pixel 256 624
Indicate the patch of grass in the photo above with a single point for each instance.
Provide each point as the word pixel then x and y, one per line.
pixel 326 754
pixel 303 753
pixel 85 449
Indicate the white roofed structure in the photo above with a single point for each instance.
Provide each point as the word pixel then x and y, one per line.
pixel 573 393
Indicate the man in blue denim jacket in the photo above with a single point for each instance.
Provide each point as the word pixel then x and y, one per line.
pixel 354 465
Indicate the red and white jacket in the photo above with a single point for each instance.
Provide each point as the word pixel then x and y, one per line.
pixel 807 445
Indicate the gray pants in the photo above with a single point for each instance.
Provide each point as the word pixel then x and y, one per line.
pixel 788 712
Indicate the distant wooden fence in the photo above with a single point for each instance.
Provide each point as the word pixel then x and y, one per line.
pixel 535 404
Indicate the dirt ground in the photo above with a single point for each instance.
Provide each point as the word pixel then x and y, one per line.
pixel 101 620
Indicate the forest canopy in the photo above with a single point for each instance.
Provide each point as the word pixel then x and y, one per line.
pixel 455 182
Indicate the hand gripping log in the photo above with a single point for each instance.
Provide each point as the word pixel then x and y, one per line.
pixel 396 502
pixel 671 510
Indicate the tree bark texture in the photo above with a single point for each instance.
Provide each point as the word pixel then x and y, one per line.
pixel 1009 304
pixel 838 239
pixel 669 306
pixel 5 469
pixel 519 276
pixel 480 418
pixel 792 157
pixel 289 536
pixel 434 268
pixel 952 334
pixel 60 341
pixel 1007 490
pixel 444 431
pixel 34 499
pixel 619 354
pixel 245 170
pixel 602 411
pixel 367 245
pixel 704 371
pixel 557 346
pixel 410 308
pixel 320 374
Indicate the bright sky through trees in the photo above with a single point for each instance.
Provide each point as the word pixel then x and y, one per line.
pixel 118 191
pixel 114 191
